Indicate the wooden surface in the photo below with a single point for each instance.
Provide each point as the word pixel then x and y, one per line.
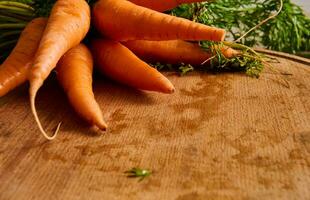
pixel 220 136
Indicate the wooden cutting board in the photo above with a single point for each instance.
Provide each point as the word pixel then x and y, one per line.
pixel 220 136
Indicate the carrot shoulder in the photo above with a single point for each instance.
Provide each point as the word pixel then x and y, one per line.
pixel 122 20
pixel 14 70
pixel 67 25
pixel 173 51
pixel 162 5
pixel 74 73
pixel 119 63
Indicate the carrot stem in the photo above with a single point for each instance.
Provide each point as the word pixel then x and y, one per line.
pixel 17 5
pixel 16 15
pixel 12 26
pixel 4 18
pixel 20 11
pixel 262 22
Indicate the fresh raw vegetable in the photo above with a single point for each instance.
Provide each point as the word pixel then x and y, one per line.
pixel 14 70
pixel 119 63
pixel 74 73
pixel 118 20
pixel 235 16
pixel 173 51
pixel 67 25
pixel 162 5
pixel 122 20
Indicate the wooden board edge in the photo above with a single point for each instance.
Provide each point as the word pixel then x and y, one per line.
pixel 284 55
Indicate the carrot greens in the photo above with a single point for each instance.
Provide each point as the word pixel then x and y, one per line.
pixel 288 32
pixel 138 173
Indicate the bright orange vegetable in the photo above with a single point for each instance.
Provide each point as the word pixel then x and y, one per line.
pixel 67 25
pixel 119 63
pixel 14 70
pixel 173 51
pixel 122 20
pixel 162 5
pixel 74 73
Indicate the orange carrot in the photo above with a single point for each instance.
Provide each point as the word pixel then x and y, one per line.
pixel 162 5
pixel 119 63
pixel 173 51
pixel 74 73
pixel 14 70
pixel 122 20
pixel 67 25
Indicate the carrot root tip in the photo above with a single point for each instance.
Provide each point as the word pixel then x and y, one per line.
pixel 171 90
pixel 103 126
pixel 33 92
pixel 223 35
pixel 98 129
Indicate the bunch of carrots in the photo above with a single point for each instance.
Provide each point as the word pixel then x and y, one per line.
pixel 131 33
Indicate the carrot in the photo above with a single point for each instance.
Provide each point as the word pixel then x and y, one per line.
pixel 74 73
pixel 162 5
pixel 14 70
pixel 67 25
pixel 122 20
pixel 119 63
pixel 173 51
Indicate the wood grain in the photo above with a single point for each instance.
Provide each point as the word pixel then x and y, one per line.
pixel 220 136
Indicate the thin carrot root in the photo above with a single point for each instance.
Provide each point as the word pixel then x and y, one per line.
pixel 34 111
